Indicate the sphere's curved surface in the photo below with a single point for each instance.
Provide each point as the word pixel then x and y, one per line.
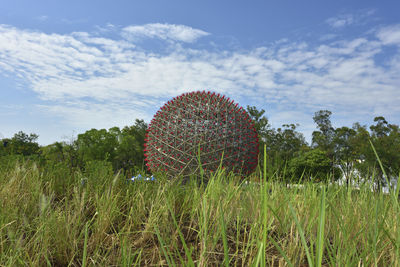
pixel 201 126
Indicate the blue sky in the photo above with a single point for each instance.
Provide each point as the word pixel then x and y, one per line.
pixel 69 66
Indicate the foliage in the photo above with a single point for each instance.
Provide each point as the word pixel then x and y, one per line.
pixel 21 143
pixel 312 165
pixel 287 141
pixel 260 122
pixel 281 144
pixel 324 136
pixel 385 138
pixel 122 148
pixel 344 149
pixel 130 153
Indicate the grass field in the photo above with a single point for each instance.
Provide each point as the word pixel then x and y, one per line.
pixel 57 217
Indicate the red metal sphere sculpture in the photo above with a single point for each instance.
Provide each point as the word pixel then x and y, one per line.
pixel 201 126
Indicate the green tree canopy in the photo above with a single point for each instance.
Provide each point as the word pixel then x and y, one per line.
pixel 22 144
pixel 344 141
pixel 385 138
pixel 313 165
pixel 260 122
pixel 281 143
pixel 324 136
pixel 123 148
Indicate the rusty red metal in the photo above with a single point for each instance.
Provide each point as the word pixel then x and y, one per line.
pixel 201 126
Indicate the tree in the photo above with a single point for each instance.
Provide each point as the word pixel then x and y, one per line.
pixel 138 131
pixel 285 142
pixel 130 152
pixel 363 150
pixel 265 133
pixel 288 140
pixel 281 144
pixel 344 150
pixel 122 148
pixel 323 138
pixel 382 128
pixel 97 145
pixel 53 152
pixel 4 146
pixel 61 152
pixel 260 122
pixel 312 165
pixel 385 139
pixel 23 144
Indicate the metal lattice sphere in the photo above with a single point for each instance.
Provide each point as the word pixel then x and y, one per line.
pixel 205 126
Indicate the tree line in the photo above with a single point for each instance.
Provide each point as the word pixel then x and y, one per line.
pixel 122 149
pixel 333 152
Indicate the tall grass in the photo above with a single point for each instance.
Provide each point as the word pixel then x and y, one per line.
pixel 95 218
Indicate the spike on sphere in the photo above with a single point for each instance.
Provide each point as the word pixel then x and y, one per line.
pixel 201 126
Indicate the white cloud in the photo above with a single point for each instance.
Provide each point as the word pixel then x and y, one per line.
pixel 344 20
pixel 86 114
pixel 341 21
pixel 390 35
pixel 172 32
pixel 93 80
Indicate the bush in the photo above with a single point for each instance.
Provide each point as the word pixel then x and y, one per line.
pixel 312 165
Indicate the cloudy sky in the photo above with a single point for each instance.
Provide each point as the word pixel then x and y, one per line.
pixel 69 66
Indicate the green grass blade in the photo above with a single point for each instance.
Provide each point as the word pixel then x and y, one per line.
pixel 380 164
pixel 375 241
pixel 264 207
pixel 302 238
pixel 163 247
pixel 224 239
pixel 182 238
pixel 282 252
pixel 84 256
pixel 265 163
pixel 260 253
pixel 321 227
pixel 396 194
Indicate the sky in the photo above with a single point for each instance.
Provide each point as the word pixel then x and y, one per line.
pixel 70 66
